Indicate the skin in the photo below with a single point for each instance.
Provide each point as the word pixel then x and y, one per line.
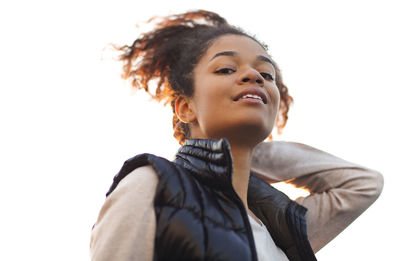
pixel 231 65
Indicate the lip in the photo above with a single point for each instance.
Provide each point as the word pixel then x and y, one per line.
pixel 254 91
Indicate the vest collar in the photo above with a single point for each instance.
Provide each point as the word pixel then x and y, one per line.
pixel 208 159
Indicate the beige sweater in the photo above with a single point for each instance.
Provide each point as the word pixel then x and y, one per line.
pixel 339 192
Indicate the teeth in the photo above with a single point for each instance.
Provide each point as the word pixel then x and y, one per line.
pixel 251 96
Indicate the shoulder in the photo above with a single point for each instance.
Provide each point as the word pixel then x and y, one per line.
pixel 126 224
pixel 141 167
pixel 140 181
pixel 133 195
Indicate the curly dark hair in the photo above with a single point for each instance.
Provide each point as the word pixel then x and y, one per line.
pixel 168 54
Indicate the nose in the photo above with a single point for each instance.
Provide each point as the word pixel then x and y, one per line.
pixel 251 76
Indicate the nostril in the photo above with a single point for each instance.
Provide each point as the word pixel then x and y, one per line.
pixel 258 81
pixel 245 80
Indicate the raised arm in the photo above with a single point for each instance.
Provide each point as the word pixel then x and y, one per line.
pixel 125 229
pixel 340 191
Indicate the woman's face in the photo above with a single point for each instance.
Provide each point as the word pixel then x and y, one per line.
pixel 235 95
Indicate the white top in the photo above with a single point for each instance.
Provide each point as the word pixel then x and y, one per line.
pixel 265 245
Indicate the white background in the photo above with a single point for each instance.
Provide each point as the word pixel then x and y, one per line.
pixel 68 121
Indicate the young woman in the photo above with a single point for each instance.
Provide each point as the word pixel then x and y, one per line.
pixel 214 201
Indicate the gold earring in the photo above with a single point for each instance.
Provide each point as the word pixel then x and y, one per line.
pixel 179 118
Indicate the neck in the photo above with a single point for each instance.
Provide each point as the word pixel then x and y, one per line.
pixel 241 156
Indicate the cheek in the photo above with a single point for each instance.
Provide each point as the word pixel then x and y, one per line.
pixel 210 92
pixel 212 104
pixel 274 94
pixel 209 104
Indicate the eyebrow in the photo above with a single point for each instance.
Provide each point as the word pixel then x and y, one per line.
pixel 231 53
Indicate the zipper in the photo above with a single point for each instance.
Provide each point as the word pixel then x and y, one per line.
pixel 249 231
pixel 227 151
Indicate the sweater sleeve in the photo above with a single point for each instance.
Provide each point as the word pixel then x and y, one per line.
pixel 125 228
pixel 340 191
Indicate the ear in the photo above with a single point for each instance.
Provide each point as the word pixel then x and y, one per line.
pixel 184 110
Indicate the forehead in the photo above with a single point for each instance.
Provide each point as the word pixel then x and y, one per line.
pixel 241 44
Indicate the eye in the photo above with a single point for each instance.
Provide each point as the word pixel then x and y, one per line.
pixel 267 76
pixel 225 71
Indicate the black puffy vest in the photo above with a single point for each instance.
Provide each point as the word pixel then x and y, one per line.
pixel 199 215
